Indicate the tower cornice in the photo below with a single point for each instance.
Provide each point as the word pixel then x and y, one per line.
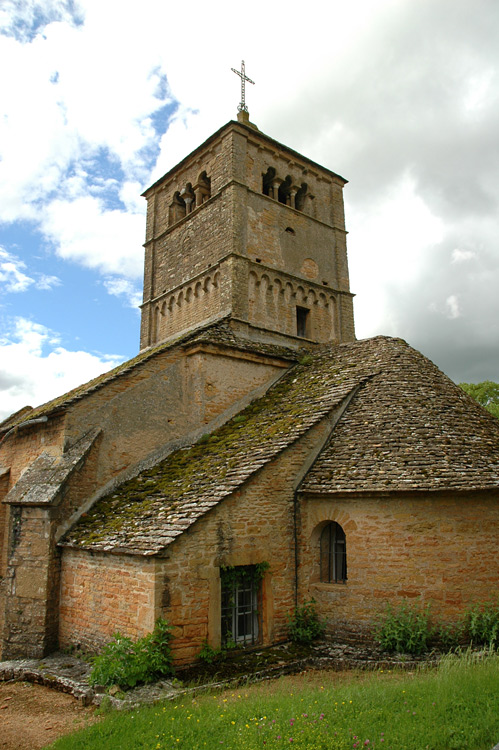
pixel 256 136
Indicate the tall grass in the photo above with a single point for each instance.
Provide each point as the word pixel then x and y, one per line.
pixel 453 707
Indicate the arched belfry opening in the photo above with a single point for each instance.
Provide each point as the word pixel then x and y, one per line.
pixel 202 188
pixel 284 191
pixel 300 197
pixel 177 209
pixel 267 182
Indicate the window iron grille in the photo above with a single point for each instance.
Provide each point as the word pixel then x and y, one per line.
pixel 240 596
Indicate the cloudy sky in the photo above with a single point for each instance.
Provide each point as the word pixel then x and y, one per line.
pixel 98 98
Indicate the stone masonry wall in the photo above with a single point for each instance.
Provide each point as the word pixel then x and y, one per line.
pixel 21 448
pixel 273 299
pixel 102 594
pixel 205 298
pixel 253 525
pixel 4 523
pixel 167 398
pixel 27 586
pixel 286 239
pixel 179 248
pixel 144 410
pixel 435 549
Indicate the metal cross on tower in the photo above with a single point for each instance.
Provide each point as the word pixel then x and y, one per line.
pixel 242 105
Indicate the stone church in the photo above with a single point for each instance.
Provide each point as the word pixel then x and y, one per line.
pixel 254 454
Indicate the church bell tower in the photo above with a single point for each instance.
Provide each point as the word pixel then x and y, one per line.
pixel 248 230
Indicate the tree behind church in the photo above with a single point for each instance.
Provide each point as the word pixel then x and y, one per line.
pixel 486 393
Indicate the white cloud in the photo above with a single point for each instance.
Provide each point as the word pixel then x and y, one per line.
pixel 388 239
pixel 35 367
pixel 85 232
pixel 450 309
pixel 123 288
pixel 14 279
pixel 452 305
pixel 47 282
pixel 461 256
pixel 12 276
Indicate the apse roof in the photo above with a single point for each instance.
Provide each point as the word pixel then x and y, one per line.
pixel 406 427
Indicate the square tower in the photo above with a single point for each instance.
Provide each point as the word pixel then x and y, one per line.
pixel 247 229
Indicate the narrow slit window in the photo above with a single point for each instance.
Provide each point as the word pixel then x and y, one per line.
pixel 302 321
pixel 333 554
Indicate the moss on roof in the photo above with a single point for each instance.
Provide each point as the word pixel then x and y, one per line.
pixel 407 427
pixel 410 428
pixel 149 511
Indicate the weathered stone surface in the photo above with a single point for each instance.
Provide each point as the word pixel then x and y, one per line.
pixel 254 248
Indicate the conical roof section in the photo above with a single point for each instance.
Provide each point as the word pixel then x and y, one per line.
pixel 408 428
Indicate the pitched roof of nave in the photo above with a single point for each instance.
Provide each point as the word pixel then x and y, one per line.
pixel 403 426
pixel 216 333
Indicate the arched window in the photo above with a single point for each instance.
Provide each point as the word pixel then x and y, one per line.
pixel 267 179
pixel 284 192
pixel 333 554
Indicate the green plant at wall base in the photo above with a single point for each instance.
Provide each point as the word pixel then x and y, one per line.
pixel 210 655
pixel 448 636
pixel 405 628
pixel 127 663
pixel 481 624
pixel 305 625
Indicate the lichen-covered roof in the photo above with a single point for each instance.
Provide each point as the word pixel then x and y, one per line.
pixel 148 512
pixel 407 427
pixel 215 333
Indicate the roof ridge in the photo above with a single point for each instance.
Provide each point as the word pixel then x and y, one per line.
pixel 80 391
pixel 193 479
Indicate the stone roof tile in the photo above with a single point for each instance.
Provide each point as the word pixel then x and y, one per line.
pixel 407 427
pixel 171 496
pixel 44 479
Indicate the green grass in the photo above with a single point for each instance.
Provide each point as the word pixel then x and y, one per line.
pixel 453 707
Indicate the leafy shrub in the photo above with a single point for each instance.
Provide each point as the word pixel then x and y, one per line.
pixel 448 636
pixel 211 655
pixel 305 625
pixel 482 624
pixel 405 629
pixel 127 663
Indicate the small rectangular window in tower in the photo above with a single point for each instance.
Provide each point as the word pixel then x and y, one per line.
pixel 302 315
